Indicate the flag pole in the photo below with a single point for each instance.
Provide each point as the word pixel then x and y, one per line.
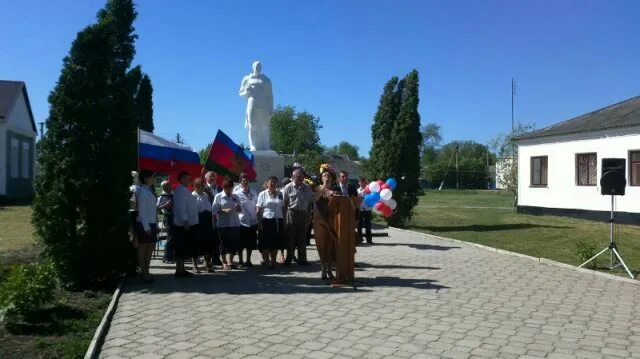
pixel 138 148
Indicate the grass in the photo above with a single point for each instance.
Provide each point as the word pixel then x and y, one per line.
pixel 449 213
pixel 62 329
pixel 17 240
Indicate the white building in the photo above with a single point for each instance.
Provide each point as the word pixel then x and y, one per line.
pixel 17 141
pixel 559 166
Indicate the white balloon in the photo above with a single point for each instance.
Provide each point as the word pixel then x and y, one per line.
pixel 374 187
pixel 391 203
pixel 386 194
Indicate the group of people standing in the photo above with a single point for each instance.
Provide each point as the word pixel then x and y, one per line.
pixel 220 223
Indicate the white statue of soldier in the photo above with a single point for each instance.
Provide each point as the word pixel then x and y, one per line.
pixel 256 87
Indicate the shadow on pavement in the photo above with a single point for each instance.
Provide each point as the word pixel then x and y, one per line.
pixel 418 246
pixel 390 266
pixel 258 280
pixel 485 228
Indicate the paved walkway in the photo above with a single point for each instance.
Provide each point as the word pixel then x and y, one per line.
pixel 420 297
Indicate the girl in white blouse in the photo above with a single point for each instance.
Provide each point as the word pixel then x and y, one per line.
pixel 146 227
pixel 204 228
pixel 270 208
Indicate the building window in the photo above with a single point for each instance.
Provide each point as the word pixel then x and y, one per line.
pixel 25 160
pixel 634 168
pixel 539 171
pixel 587 169
pixel 14 156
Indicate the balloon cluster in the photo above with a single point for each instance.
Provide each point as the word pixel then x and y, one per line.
pixel 378 196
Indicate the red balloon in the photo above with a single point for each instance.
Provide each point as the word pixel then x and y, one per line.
pixel 380 206
pixel 387 211
pixel 384 186
pixel 380 182
pixel 367 190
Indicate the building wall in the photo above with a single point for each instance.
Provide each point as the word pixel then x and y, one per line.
pixel 19 128
pixel 3 158
pixel 18 119
pixel 562 192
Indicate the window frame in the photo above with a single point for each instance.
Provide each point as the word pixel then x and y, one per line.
pixel 14 158
pixel 631 162
pixel 25 160
pixel 577 168
pixel 545 160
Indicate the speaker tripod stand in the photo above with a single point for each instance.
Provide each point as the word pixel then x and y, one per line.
pixel 616 258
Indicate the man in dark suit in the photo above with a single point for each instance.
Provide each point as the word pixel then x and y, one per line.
pixel 346 188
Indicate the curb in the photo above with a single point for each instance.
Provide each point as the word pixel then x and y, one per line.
pixel 534 259
pixel 94 347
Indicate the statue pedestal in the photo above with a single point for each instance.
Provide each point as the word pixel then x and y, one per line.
pixel 267 164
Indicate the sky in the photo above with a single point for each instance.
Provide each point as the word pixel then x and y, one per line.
pixel 332 58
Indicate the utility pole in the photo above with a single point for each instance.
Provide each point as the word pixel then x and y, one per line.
pixel 488 171
pixel 178 139
pixel 513 93
pixel 457 174
pixel 41 128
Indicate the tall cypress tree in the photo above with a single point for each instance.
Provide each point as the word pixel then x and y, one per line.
pixel 381 159
pixel 144 104
pixel 406 139
pixel 141 90
pixel 81 203
pixel 396 138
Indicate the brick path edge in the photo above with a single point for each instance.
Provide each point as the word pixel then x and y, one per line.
pixel 534 259
pixel 101 331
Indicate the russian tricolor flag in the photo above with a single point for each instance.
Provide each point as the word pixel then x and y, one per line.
pixel 160 155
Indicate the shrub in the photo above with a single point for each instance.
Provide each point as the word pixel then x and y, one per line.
pixel 584 251
pixel 26 288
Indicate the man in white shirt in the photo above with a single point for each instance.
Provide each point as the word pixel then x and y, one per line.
pixel 184 211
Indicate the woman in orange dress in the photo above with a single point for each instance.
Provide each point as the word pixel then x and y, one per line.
pixel 323 230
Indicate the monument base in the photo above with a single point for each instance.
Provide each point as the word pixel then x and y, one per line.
pixel 267 164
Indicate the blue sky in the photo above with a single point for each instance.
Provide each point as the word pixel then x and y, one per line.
pixel 332 58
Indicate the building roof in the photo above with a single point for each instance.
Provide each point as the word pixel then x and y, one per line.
pixel 9 92
pixel 619 115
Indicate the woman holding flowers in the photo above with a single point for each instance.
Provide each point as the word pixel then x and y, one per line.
pixel 325 235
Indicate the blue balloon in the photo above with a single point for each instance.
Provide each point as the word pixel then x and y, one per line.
pixel 392 183
pixel 371 199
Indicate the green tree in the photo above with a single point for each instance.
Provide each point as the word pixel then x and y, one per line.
pixel 294 132
pixel 204 153
pixel 397 141
pixel 82 196
pixel 344 148
pixel 380 159
pixel 472 169
pixel 406 140
pixel 431 136
pixel 141 90
pixel 506 151
pixel 143 104
pixel 431 139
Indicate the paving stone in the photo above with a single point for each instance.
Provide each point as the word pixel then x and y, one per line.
pixel 509 307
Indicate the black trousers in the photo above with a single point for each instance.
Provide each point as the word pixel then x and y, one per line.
pixel 364 220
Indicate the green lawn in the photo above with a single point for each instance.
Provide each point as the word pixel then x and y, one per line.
pixel 61 329
pixel 17 241
pixel 448 214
